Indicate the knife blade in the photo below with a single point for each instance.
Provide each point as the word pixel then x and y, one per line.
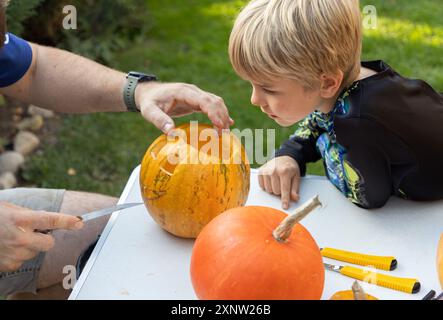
pixel 103 212
pixel 99 213
pixel 407 285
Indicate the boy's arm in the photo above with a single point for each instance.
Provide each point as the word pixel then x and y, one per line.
pixel 368 176
pixel 302 145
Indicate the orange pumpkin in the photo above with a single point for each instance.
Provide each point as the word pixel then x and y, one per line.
pixel 349 295
pixel 440 260
pixel 188 179
pixel 357 293
pixel 238 256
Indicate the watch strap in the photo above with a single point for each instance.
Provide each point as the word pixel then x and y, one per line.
pixel 129 91
pixel 132 80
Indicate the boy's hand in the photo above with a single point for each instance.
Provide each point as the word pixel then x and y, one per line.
pixel 281 176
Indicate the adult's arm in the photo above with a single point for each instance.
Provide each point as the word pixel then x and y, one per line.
pixel 68 83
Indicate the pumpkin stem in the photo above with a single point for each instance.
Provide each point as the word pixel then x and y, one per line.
pixel 357 290
pixel 283 231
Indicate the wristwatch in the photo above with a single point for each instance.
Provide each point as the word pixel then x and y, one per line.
pixel 133 78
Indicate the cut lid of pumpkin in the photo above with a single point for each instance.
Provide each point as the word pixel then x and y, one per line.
pixel 172 155
pixel 207 149
pixel 175 155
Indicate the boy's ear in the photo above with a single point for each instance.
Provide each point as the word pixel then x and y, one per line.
pixel 330 84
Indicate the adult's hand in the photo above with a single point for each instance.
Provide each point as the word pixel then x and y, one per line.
pixel 18 240
pixel 159 102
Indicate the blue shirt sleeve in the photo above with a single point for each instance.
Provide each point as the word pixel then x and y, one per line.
pixel 15 60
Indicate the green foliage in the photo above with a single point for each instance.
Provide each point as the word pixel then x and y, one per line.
pixel 103 26
pixel 18 12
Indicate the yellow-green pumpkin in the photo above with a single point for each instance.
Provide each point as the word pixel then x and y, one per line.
pixel 185 182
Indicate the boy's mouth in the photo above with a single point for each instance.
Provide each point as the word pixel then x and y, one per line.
pixel 270 115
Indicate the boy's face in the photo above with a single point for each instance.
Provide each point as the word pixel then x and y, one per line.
pixel 284 100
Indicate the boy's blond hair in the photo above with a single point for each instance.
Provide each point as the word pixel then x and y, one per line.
pixel 297 39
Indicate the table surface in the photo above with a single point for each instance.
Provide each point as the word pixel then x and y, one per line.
pixel 136 259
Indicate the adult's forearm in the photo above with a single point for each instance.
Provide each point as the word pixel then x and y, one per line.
pixel 65 82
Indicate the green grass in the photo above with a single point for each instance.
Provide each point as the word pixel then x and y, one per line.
pixel 187 42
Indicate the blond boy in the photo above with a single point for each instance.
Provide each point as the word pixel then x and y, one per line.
pixel 378 133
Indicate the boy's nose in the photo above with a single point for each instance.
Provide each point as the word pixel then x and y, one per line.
pixel 255 99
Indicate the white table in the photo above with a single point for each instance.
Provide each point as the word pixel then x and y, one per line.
pixel 136 259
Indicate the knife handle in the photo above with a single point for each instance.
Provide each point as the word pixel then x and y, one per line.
pixel 400 284
pixel 379 262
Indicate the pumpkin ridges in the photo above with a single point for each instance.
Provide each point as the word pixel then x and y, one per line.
pixel 175 218
pixel 163 192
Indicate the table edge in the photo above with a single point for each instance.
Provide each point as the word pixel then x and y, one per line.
pixel 84 275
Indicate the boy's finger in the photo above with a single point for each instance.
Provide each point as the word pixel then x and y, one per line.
pixel 285 186
pixel 295 187
pixel 275 184
pixel 261 181
pixel 50 221
pixel 267 183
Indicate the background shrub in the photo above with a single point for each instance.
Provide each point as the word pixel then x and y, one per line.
pixel 103 26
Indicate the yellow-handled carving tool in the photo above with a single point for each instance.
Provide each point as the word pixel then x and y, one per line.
pixel 400 284
pixel 379 262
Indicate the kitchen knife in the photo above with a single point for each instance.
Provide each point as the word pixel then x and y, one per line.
pixel 99 213
pixel 103 212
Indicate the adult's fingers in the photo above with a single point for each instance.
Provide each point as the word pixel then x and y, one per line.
pixel 50 221
pixel 10 265
pixel 158 118
pixel 213 106
pixel 25 254
pixel 41 242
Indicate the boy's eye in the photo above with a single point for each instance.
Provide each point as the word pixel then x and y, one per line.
pixel 267 91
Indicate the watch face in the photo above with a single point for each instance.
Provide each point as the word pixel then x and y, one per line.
pixel 141 76
pixel 148 78
pixel 135 74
